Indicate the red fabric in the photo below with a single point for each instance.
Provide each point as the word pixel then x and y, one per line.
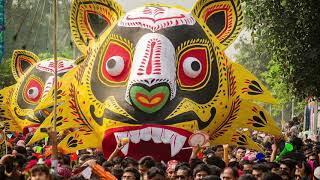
pixel 73 157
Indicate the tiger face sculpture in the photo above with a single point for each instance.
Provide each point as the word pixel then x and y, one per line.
pixel 34 80
pixel 156 75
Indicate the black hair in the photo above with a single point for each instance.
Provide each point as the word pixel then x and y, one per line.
pixel 270 176
pixel 247 177
pixel 260 167
pixel 244 162
pixel 147 161
pixel 217 161
pixel 40 168
pixel 64 159
pixel 215 170
pixel 183 167
pixel 215 148
pixel 272 165
pixel 85 157
pixel 234 164
pixel 234 171
pixel 117 172
pixel 21 150
pixel 117 160
pixel 134 171
pixel 211 177
pixel 155 171
pixel 128 160
pixel 100 158
pixel 201 167
pixel 9 164
pixel 182 164
pixel 288 162
pixel 107 165
pixel 297 143
pixel 20 160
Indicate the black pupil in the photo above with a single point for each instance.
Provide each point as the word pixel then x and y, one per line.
pixel 111 63
pixel 31 91
pixel 195 65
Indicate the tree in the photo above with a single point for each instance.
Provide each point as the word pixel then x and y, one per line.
pixel 289 30
pixel 28 25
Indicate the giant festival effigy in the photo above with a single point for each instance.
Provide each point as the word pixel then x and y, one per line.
pixel 154 75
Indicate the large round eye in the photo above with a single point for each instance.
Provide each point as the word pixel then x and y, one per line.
pixel 115 65
pixel 192 67
pixel 33 90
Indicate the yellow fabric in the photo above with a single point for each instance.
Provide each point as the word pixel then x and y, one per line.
pixel 82 138
pixel 238 138
pixel 249 87
pixel 6 118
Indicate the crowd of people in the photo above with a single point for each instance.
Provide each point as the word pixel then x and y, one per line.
pixel 211 163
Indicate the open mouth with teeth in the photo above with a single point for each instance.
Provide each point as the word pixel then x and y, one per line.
pixel 160 142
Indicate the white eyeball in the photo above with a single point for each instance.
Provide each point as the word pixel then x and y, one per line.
pixel 192 67
pixel 115 65
pixel 33 92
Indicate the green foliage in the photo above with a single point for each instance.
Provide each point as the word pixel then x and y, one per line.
pixel 284 48
pixel 289 30
pixel 29 26
pixel 6 77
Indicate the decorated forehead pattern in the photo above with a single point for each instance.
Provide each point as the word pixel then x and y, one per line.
pixel 156 18
pixel 48 66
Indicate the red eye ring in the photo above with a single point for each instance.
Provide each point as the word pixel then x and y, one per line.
pixel 114 68
pixel 33 90
pixel 193 68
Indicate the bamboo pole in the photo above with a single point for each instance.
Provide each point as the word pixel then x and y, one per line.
pixel 54 156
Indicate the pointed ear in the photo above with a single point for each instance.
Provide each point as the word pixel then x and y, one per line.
pixel 22 60
pixel 89 18
pixel 223 18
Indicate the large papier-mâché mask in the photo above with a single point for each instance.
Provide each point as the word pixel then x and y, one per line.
pixel 34 80
pixel 156 75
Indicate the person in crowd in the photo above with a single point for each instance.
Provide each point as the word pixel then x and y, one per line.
pixel 40 172
pixel 240 153
pixel 156 173
pixel 145 163
pixel 183 172
pixel 200 171
pixel 130 173
pixel 288 165
pixel 229 174
pixel 258 170
pixel 170 173
pixel 218 151
pixel 246 166
pixel 129 162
